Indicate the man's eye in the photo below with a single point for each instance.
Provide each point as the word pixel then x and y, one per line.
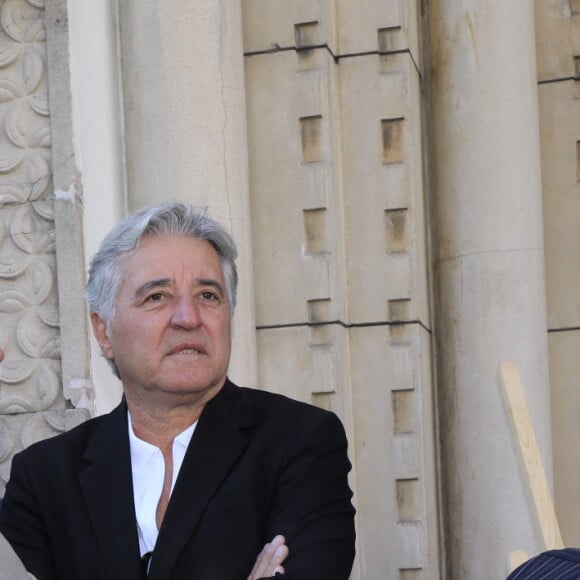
pixel 209 296
pixel 155 297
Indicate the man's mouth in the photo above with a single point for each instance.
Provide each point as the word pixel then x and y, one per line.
pixel 187 350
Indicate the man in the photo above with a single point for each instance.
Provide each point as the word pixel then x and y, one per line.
pixel 191 474
pixel 561 564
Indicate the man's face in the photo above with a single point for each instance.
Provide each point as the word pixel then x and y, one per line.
pixel 171 333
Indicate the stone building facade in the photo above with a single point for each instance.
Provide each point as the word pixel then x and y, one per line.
pixel 403 181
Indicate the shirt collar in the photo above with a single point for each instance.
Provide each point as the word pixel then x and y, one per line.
pixel 141 451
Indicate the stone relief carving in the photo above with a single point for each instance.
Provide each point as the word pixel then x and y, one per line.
pixel 32 406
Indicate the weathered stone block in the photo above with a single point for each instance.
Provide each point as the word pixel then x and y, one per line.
pixel 557 38
pixel 560 127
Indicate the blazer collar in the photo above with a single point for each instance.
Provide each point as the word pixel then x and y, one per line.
pixel 107 487
pixel 220 437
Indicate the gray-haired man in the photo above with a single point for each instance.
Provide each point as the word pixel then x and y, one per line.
pixel 191 474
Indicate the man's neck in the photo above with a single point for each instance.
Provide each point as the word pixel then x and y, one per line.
pixel 160 426
pixel 158 419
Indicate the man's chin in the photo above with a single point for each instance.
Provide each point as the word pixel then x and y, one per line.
pixel 187 388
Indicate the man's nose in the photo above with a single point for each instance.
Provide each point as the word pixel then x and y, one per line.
pixel 186 313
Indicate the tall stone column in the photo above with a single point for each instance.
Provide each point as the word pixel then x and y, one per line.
pixel 489 273
pixel 185 132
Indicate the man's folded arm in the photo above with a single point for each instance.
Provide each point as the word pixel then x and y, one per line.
pixel 312 507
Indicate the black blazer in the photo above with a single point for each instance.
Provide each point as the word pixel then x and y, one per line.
pixel 258 465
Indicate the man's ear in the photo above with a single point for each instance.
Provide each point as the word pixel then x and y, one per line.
pixel 100 332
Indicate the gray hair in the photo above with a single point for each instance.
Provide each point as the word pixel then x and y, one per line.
pixel 175 219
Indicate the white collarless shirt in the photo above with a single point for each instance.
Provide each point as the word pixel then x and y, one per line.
pixel 148 469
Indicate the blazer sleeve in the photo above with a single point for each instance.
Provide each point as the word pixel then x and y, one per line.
pixel 21 523
pixel 312 505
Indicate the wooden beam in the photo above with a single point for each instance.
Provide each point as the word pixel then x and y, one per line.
pixel 517 407
pixel 516 558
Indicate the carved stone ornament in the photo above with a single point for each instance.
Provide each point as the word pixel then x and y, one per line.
pixel 32 406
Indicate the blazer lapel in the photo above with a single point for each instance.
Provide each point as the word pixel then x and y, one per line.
pixel 108 490
pixel 218 441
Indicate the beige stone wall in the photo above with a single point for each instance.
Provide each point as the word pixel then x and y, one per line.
pixel 558 50
pixel 302 125
pixel 488 241
pixel 335 137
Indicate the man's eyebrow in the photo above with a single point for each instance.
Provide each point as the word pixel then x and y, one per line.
pixel 144 288
pixel 210 282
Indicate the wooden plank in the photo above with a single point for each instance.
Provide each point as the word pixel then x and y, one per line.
pixel 516 558
pixel 517 407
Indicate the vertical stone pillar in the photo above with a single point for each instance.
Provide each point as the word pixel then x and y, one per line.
pixel 94 115
pixel 185 132
pixel 489 272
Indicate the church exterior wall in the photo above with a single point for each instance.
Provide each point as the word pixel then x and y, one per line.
pixel 307 127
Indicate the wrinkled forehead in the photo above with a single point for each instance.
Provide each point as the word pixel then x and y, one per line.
pixel 163 254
